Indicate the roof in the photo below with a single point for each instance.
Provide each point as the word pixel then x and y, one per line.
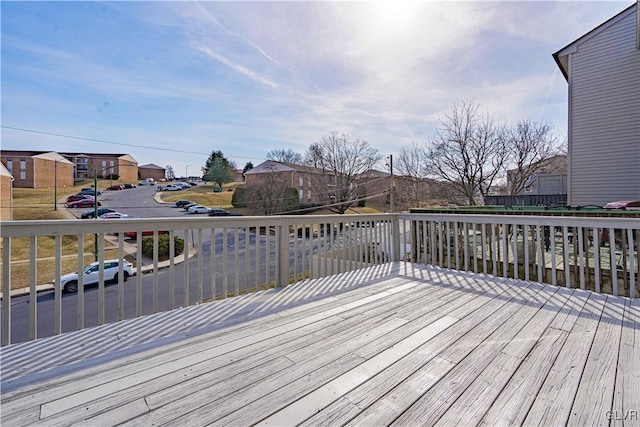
pixel 31 153
pixel 150 166
pixel 561 56
pixel 52 155
pixel 274 166
pixel 4 171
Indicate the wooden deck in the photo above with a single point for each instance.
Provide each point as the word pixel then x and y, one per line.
pixel 402 345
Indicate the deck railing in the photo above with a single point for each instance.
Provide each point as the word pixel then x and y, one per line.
pixel 231 256
pixel 224 257
pixel 576 252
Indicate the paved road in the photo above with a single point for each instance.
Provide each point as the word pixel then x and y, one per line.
pixel 139 202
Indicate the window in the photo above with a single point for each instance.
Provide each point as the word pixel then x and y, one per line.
pixel 23 170
pixel 10 166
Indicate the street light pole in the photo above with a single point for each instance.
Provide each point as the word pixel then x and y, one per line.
pixel 95 210
pixel 391 198
pixel 186 172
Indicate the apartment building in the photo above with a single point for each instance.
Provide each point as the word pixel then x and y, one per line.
pixel 44 169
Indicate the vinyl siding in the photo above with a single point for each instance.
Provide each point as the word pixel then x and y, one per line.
pixel 604 135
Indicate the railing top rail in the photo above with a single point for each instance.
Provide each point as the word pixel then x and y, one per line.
pixel 77 226
pixel 582 221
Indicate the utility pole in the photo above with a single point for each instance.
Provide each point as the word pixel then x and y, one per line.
pixel 55 185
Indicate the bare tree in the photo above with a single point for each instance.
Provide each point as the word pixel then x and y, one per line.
pixel 313 155
pixel 286 156
pixel 532 147
pixel 469 151
pixel 412 163
pixel 343 163
pixel 169 173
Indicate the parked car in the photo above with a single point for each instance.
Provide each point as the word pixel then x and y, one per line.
pixel 188 205
pixel 75 197
pixel 127 186
pixel 180 203
pixel 198 209
pixel 134 234
pixel 84 203
pixel 113 215
pixel 90 191
pixel 222 212
pixel 90 212
pixel 148 181
pixel 90 275
pixel 171 187
pixel 116 187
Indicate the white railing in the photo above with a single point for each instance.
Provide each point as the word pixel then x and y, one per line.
pixel 224 257
pixel 232 256
pixel 576 252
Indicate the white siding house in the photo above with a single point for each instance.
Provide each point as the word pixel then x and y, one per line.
pixel 603 71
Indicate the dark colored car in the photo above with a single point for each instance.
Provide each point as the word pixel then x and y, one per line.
pixel 222 212
pixel 134 234
pixel 188 205
pixel 125 186
pixel 180 203
pixel 89 191
pixel 84 203
pixel 115 187
pixel 75 197
pixel 90 213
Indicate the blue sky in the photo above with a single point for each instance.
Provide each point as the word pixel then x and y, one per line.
pixel 170 81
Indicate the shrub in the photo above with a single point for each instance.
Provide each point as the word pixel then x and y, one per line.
pixel 239 198
pixel 163 246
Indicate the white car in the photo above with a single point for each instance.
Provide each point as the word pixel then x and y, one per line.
pixel 198 209
pixel 90 275
pixel 171 187
pixel 113 215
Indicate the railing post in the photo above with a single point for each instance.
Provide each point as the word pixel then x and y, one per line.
pixel 282 254
pixel 395 238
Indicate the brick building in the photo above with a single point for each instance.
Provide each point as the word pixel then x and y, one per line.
pixel 6 194
pixel 42 169
pixel 152 171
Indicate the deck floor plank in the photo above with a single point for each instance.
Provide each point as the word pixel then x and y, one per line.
pixel 555 398
pixel 87 387
pixel 480 353
pixel 599 373
pixel 479 396
pixel 445 353
pixel 626 406
pixel 512 405
pixel 479 309
pixel 396 344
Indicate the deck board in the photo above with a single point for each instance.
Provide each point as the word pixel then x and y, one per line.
pixel 405 345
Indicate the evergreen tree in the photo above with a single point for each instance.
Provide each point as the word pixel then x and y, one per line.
pixel 217 169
